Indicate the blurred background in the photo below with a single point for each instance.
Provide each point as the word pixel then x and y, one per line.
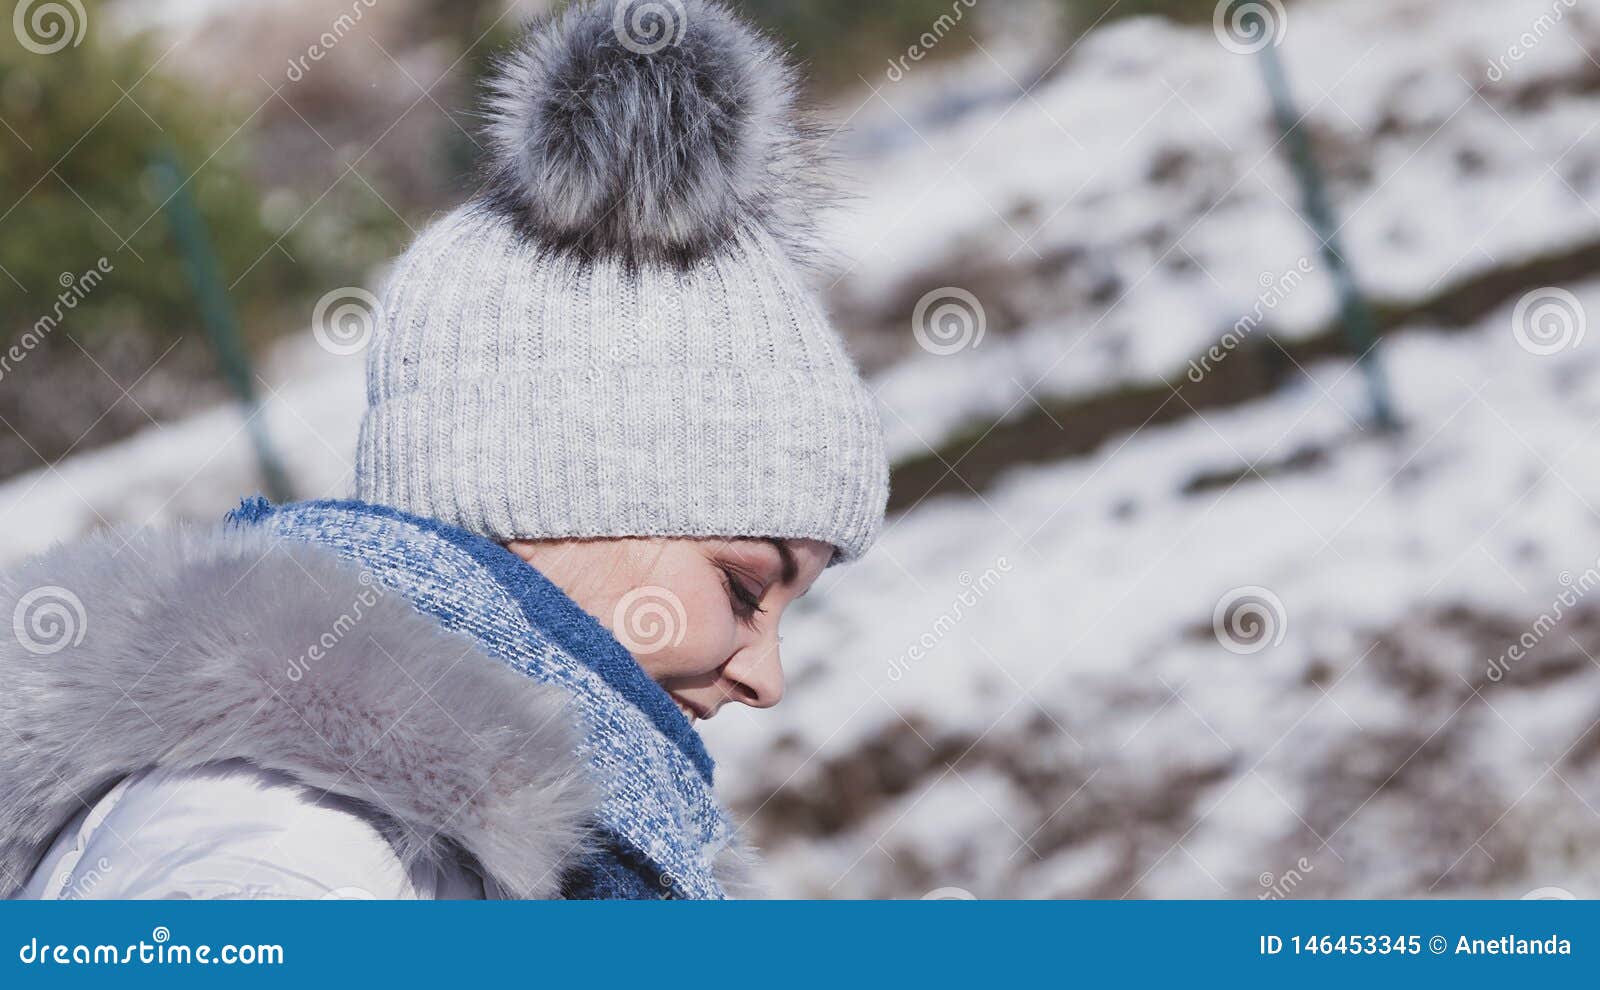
pixel 1232 357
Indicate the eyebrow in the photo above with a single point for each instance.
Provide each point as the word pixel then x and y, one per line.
pixel 791 569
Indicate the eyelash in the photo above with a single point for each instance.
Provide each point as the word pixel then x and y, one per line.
pixel 745 604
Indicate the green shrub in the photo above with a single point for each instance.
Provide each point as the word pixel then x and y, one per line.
pixel 82 126
pixel 840 39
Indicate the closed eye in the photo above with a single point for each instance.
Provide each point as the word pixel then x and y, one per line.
pixel 746 603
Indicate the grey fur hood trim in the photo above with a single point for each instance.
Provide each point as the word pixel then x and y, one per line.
pixel 185 647
pixel 737 868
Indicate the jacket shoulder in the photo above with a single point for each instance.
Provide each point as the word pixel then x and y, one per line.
pixel 180 648
pixel 230 831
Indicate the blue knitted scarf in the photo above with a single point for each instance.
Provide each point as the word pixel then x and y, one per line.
pixel 660 822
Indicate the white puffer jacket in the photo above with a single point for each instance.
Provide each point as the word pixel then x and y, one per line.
pixel 229 830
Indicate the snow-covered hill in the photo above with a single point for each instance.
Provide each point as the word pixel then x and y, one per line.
pixel 1028 688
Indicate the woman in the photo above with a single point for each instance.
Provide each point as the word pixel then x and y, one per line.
pixel 610 438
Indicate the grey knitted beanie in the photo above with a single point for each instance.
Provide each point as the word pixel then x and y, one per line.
pixel 616 336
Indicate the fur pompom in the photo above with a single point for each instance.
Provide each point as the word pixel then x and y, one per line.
pixel 651 129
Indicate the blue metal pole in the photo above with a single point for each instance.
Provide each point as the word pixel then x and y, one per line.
pixel 216 311
pixel 1361 330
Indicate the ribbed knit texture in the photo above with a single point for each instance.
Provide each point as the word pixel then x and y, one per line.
pixel 660 824
pixel 521 392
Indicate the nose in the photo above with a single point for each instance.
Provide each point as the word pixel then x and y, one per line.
pixel 755 675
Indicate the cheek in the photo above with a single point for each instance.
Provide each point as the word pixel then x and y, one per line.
pixel 709 636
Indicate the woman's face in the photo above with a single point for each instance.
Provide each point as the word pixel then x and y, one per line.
pixel 700 615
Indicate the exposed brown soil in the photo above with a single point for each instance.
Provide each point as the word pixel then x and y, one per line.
pixel 1062 428
pixel 1430 773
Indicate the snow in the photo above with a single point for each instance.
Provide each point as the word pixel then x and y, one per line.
pixel 200 466
pixel 1139 90
pixel 1070 723
pixel 1483 502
